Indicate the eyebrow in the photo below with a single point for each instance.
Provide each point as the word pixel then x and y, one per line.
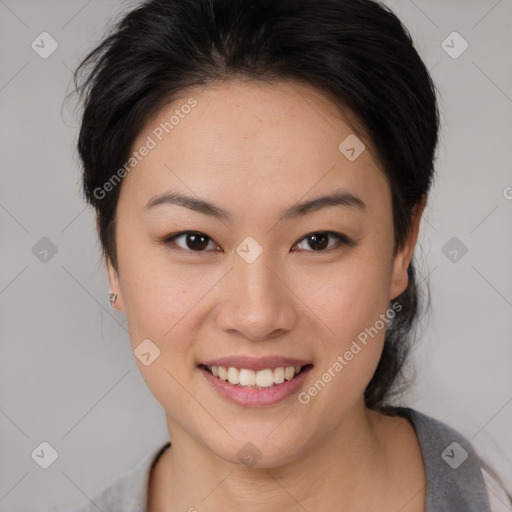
pixel 338 198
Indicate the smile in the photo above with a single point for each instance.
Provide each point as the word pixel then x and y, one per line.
pixel 266 384
pixel 247 378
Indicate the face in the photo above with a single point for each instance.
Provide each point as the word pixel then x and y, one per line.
pixel 264 284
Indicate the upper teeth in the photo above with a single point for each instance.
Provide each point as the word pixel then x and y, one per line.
pixel 262 378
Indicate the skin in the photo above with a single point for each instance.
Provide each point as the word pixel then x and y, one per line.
pixel 256 149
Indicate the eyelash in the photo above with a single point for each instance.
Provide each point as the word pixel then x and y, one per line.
pixel 343 239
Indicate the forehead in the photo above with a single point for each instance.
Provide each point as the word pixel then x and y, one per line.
pixel 264 142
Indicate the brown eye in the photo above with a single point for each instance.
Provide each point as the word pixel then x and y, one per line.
pixel 191 240
pixel 319 241
pixel 194 241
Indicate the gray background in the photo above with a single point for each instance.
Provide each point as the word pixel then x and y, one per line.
pixel 67 373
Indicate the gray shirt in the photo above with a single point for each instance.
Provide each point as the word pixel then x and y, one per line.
pixel 455 482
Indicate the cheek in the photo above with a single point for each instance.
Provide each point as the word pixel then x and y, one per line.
pixel 349 302
pixel 346 297
pixel 163 306
pixel 159 298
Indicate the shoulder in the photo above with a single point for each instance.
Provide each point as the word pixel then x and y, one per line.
pixel 456 478
pixel 499 498
pixel 128 491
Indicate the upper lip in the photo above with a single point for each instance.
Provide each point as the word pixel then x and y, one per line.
pixel 255 363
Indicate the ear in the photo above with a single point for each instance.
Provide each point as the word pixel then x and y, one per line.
pixel 113 280
pixel 113 275
pixel 403 257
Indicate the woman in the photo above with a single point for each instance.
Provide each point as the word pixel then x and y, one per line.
pixel 259 170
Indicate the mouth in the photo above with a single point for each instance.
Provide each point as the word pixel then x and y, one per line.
pixel 255 381
pixel 248 378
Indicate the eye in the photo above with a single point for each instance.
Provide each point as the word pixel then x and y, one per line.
pixel 319 240
pixel 194 241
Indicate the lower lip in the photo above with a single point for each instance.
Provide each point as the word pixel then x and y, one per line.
pixel 252 397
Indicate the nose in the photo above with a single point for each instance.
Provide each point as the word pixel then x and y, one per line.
pixel 258 303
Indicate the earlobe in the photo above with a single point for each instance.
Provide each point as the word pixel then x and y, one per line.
pixel 403 257
pixel 114 296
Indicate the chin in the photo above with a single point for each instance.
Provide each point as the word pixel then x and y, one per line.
pixel 256 452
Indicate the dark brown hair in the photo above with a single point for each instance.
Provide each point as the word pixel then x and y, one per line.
pixel 355 51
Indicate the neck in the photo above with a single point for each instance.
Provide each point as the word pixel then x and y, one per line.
pixel 350 466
